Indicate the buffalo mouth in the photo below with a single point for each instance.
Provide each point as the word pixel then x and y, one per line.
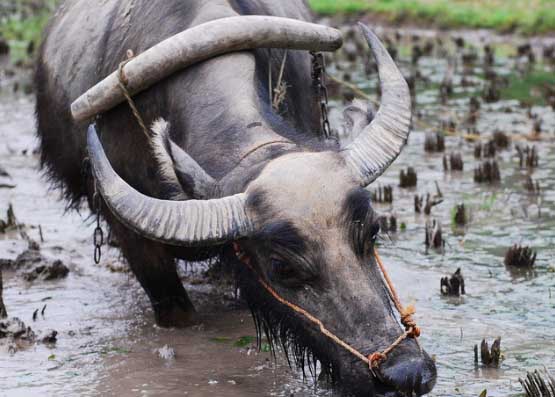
pixel 407 372
pixel 414 377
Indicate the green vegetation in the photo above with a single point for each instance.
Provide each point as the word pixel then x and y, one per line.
pixel 220 339
pixel 245 341
pixel 488 202
pixel 21 25
pixel 529 87
pixel 530 17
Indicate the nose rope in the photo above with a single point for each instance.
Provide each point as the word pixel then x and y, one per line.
pixel 372 360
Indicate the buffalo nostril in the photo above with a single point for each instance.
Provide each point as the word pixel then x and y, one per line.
pixel 411 374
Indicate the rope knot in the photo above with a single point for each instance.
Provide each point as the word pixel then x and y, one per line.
pixel 406 317
pixel 414 332
pixel 122 77
pixel 375 359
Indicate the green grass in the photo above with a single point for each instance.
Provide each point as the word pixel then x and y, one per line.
pixel 528 88
pixel 21 33
pixel 24 25
pixel 530 17
pixel 488 203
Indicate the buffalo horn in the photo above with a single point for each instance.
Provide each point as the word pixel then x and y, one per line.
pixel 381 141
pixel 183 223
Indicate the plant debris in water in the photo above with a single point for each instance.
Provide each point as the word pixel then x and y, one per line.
pixel 434 235
pixel 388 224
pixel 487 172
pixel 489 357
pixel 426 206
pixel 460 217
pixel 408 178
pixel 519 256
pixel 434 142
pixel 453 163
pixel 10 222
pixel 484 150
pixel 527 156
pixel 50 337
pixel 383 194
pixel 532 186
pixel 501 140
pixel 538 384
pixel 454 285
pixel 166 353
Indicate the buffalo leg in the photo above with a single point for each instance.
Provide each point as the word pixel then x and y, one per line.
pixel 156 271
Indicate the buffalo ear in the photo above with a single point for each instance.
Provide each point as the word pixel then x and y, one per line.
pixel 177 168
pixel 356 116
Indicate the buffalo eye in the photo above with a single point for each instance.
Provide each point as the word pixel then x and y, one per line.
pixel 290 274
pixel 368 238
pixel 281 269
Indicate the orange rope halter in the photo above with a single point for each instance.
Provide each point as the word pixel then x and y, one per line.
pixel 373 360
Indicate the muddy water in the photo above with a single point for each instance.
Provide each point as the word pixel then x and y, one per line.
pixel 108 344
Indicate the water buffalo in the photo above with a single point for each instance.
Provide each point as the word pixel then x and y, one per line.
pixel 223 174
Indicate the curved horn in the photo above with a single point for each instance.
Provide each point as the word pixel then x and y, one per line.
pixel 190 223
pixel 379 144
pixel 202 42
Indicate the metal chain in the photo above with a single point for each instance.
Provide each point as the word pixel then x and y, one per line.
pixel 98 236
pixel 319 79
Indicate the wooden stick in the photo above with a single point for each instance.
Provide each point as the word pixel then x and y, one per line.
pixel 199 43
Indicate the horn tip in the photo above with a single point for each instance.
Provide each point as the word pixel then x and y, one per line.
pixel 92 136
pixel 369 34
pixel 364 27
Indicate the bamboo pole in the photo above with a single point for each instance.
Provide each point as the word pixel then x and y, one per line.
pixel 199 43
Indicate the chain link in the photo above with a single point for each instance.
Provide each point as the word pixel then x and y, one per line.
pixel 98 236
pixel 319 78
